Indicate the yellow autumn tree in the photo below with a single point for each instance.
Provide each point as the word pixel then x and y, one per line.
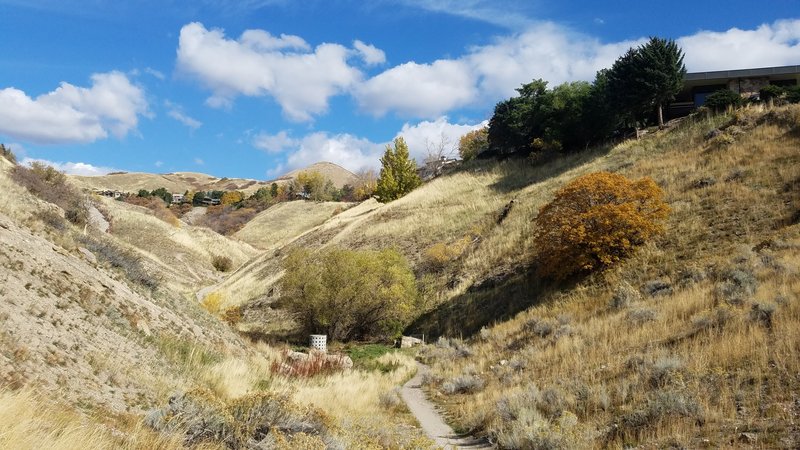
pixel 595 221
pixel 231 197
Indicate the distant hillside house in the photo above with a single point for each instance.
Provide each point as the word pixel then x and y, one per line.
pixel 177 198
pixel 746 82
pixel 433 167
pixel 208 201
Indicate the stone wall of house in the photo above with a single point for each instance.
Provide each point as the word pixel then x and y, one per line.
pixel 748 86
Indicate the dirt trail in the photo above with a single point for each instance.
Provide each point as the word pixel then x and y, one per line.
pixel 431 421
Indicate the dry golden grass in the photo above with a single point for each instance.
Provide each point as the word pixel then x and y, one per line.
pixel 31 422
pixel 697 366
pixel 353 398
pixel 185 253
pixel 279 224
pixel 178 182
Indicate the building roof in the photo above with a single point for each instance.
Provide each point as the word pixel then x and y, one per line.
pixel 743 73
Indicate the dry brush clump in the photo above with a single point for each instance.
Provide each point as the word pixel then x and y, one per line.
pixel 595 221
pixel 52 186
pixel 156 205
pixel 305 365
pixel 257 420
pixel 127 261
pixel 226 219
pixel 222 263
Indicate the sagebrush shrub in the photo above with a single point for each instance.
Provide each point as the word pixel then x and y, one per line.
pixel 222 263
pixel 52 186
pixel 595 221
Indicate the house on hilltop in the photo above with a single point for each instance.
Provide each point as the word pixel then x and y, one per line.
pixel 745 82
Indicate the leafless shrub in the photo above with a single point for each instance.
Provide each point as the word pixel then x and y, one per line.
pixel 119 258
pixel 660 405
pixel 52 186
pixel 716 320
pixel 641 316
pixel 391 399
pixel 225 219
pixel 666 371
pixel 464 384
pixel 762 313
pixel 53 220
pixel 657 288
pixel 736 286
pixel 624 296
pixel 302 365
pixel 243 423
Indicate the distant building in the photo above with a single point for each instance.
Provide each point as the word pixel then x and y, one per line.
pixel 177 198
pixel 208 201
pixel 434 167
pixel 745 82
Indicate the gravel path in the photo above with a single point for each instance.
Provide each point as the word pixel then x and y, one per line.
pixel 431 421
pixel 97 220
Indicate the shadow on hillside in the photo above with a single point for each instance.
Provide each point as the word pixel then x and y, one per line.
pixel 517 173
pixel 495 300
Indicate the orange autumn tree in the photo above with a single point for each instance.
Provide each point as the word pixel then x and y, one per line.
pixel 595 221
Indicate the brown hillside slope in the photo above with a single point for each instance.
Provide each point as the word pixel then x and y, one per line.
pixel 691 343
pixel 274 226
pixel 334 172
pixel 183 254
pixel 178 182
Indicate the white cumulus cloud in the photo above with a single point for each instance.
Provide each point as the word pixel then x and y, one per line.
pixel 371 55
pixel 301 80
pixel 71 114
pixel 72 168
pixel 776 44
pixel 274 143
pixel 555 53
pixel 355 153
pixel 429 137
pixel 419 90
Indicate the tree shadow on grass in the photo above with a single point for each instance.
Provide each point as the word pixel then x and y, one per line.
pixel 519 172
pixel 495 300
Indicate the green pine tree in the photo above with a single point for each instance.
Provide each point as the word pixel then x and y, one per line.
pixel 398 173
pixel 662 69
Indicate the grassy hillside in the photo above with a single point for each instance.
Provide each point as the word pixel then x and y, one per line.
pixel 96 336
pixel 173 182
pixel 275 226
pixel 182 253
pixel 691 343
pixel 334 172
pixel 192 181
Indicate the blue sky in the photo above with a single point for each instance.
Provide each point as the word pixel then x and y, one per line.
pixel 254 88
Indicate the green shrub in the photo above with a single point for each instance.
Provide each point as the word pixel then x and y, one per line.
pixel 793 94
pixel 770 92
pixel 723 99
pixel 349 294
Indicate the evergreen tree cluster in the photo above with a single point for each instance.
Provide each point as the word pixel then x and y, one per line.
pixel 574 115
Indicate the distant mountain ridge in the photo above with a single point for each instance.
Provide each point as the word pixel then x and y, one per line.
pixel 194 181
